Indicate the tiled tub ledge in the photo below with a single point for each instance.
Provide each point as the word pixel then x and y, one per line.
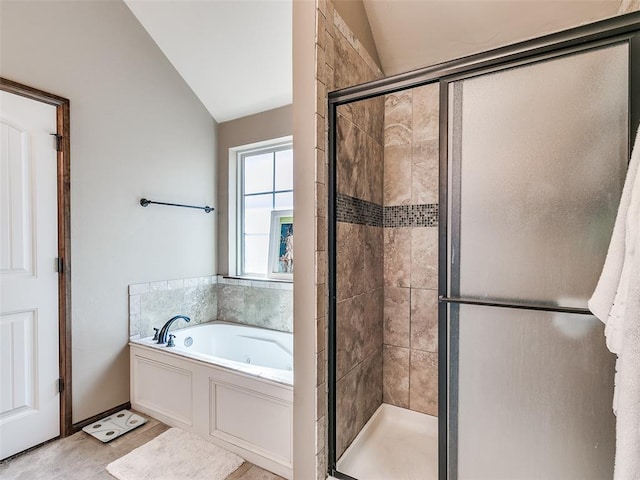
pixel 273 284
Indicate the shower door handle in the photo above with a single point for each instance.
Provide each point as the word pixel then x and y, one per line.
pixel 521 306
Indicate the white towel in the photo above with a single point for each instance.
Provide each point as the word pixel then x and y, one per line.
pixel 616 301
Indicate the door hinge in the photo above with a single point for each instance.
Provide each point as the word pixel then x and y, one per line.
pixel 58 141
pixel 59 265
pixel 60 385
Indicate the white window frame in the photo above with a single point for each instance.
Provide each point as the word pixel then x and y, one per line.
pixel 236 200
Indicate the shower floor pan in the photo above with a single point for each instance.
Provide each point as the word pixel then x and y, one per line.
pixel 395 443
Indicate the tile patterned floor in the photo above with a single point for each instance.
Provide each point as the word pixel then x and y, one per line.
pixel 82 457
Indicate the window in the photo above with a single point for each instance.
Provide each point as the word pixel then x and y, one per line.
pixel 265 185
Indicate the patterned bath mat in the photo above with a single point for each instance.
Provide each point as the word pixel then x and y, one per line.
pixel 176 455
pixel 114 425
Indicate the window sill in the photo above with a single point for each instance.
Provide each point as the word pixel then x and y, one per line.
pixel 256 278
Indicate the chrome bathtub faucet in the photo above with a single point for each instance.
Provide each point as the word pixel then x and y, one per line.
pixel 162 336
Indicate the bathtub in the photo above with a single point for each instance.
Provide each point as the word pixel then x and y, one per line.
pixel 231 384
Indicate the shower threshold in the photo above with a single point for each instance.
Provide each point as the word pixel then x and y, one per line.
pixel 395 443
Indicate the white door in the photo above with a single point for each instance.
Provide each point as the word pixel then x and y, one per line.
pixel 29 365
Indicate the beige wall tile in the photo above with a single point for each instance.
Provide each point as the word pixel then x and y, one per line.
pixel 321 400
pixel 320 133
pixel 322 8
pixel 424 320
pixel 423 395
pixel 320 64
pixel 321 233
pixel 321 199
pixel 360 386
pixel 425 112
pixel 629 6
pixel 351 152
pixel 349 260
pixel 346 63
pixel 374 113
pixel 346 111
pixel 321 27
pixel 330 80
pixel 373 255
pixel 330 16
pixel 424 258
pixel 373 321
pixel 321 465
pixel 397 308
pixel 321 266
pixel 358 395
pixel 374 171
pixel 395 367
pixel 411 161
pixel 369 396
pixel 321 166
pixel 320 360
pixel 321 332
pixel 346 410
pixel 321 99
pixel 349 334
pixel 330 53
pixel 397 119
pixel 424 172
pixel 358 113
pixel 321 427
pixel 397 257
pixel 397 175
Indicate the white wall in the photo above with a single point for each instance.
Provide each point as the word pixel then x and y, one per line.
pixel 137 131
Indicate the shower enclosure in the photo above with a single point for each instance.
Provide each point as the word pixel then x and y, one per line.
pixel 471 206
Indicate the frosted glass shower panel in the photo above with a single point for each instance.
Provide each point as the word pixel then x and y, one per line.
pixel 541 152
pixel 535 393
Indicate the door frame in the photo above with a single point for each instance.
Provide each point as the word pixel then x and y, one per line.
pixel 64 239
pixel 602 31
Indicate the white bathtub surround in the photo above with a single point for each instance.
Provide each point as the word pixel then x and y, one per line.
pixel 176 454
pixel 243 407
pixel 395 443
pixel 616 301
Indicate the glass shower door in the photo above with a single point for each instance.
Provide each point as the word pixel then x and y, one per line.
pixel 538 155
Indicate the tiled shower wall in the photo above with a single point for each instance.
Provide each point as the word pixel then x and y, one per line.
pixel 387 208
pixel 204 299
pixel 387 179
pixel 628 6
pixel 341 61
pixel 410 359
pixel 360 292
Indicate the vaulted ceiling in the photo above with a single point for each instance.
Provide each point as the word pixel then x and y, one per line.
pixel 236 55
pixel 410 34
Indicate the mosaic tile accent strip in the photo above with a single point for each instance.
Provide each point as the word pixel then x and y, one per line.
pixel 354 210
pixel 360 212
pixel 424 215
